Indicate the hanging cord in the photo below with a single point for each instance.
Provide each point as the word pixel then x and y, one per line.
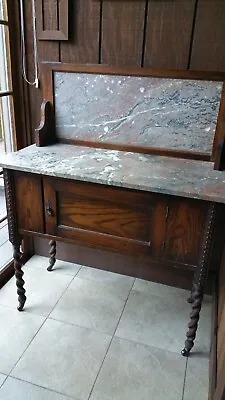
pixel 23 50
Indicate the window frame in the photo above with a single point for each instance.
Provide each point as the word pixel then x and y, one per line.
pixel 19 93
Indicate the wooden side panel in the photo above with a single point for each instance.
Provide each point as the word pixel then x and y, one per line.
pixel 168 34
pixel 84 25
pixel 185 225
pixel 122 32
pixel 221 284
pixel 208 51
pixel 29 202
pixel 220 384
pixel 213 345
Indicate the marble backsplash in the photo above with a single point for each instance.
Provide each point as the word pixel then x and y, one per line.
pixel 157 112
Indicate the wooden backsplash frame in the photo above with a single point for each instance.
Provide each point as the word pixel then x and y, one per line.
pixel 48 70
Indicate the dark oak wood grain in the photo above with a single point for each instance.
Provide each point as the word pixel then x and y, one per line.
pixel 133 71
pixel 150 226
pixel 156 270
pixel 104 216
pixel 99 216
pixel 184 230
pixel 213 346
pixel 84 26
pixel 208 50
pixel 28 200
pixel 219 392
pixel 122 32
pixel 50 14
pixel 168 34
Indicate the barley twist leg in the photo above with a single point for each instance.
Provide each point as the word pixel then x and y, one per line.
pixel 19 276
pixel 197 297
pixel 52 253
pixel 200 279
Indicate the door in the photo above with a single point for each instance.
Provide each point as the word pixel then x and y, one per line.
pixel 103 216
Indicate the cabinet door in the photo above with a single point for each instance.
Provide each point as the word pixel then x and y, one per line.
pixel 185 224
pixel 29 203
pixel 100 216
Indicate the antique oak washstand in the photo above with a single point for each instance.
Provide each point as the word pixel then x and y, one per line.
pixel 124 158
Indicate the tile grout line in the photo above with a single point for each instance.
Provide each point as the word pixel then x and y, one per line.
pixel 9 374
pixel 124 306
pixel 185 376
pixel 134 341
pixel 6 377
pixel 63 293
pixel 110 341
pixel 79 326
pixel 150 346
pixel 88 327
pixel 33 313
pixel 42 387
pixel 47 317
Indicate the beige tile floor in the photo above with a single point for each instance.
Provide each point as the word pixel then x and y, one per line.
pixel 90 334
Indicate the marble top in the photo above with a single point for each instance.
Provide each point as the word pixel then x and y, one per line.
pixel 172 176
pixel 137 110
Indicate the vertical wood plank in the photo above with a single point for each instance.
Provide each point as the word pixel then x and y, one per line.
pixel 47 50
pixel 208 52
pixel 84 24
pixel 50 14
pixel 168 33
pixel 122 32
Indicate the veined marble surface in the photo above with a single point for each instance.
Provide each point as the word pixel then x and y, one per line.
pixel 187 178
pixel 146 111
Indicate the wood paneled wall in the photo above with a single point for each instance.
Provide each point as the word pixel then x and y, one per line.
pixel 187 34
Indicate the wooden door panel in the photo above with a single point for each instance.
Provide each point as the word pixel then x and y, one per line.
pixel 101 216
pixel 29 209
pixel 184 230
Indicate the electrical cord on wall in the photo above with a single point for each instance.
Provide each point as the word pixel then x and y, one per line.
pixel 23 49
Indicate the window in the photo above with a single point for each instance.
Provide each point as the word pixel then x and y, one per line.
pixel 7 125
